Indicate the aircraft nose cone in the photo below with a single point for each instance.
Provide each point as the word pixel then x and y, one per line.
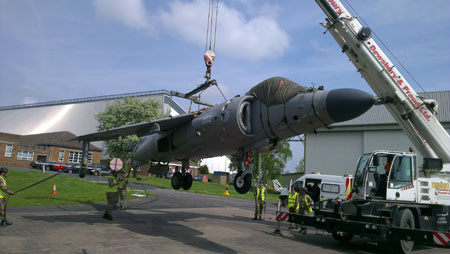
pixel 347 103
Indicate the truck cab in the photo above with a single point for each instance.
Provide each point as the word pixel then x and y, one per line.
pixel 386 175
pixel 389 175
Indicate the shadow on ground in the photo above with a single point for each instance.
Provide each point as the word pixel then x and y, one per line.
pixel 165 224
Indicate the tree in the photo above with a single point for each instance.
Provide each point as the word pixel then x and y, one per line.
pixel 233 166
pixel 273 162
pixel 300 166
pixel 126 112
pixel 203 169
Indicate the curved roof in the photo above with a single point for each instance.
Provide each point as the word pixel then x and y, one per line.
pixel 87 99
pixel 76 115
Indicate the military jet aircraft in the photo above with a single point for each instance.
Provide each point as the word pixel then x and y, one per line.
pixel 274 110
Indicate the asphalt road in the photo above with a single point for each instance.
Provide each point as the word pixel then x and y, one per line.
pixel 168 222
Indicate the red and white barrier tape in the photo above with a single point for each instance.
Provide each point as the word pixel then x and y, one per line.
pixel 441 238
pixel 282 216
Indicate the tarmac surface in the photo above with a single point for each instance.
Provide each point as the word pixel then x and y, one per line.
pixel 168 222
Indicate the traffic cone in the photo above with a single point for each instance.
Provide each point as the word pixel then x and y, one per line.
pixel 226 193
pixel 54 189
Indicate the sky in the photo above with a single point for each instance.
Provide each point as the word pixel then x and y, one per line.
pixel 54 50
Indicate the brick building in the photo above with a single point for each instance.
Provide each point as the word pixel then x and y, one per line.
pixel 20 150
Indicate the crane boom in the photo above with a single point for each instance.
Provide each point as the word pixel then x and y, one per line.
pixel 416 116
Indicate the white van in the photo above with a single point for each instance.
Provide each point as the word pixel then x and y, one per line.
pixel 329 186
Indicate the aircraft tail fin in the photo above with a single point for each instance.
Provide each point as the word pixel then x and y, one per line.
pixel 276 185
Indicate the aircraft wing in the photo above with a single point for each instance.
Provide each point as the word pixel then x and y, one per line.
pixel 140 129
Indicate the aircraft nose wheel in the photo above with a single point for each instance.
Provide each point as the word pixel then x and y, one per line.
pixel 242 184
pixel 177 180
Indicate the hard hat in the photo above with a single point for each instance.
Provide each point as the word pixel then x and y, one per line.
pixel 3 170
pixel 261 182
pixel 301 189
pixel 123 172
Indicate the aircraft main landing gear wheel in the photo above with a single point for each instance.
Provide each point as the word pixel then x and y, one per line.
pixel 242 184
pixel 187 181
pixel 82 172
pixel 177 180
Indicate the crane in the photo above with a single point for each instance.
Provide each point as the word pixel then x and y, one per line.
pixel 416 116
pixel 392 199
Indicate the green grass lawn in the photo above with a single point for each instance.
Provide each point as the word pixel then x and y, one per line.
pixel 69 190
pixel 204 188
pixel 72 190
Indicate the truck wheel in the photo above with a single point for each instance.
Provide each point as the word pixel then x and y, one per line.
pixel 177 180
pixel 96 173
pixel 242 184
pixel 187 181
pixel 404 219
pixel 342 237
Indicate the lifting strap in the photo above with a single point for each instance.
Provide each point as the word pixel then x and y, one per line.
pixel 209 54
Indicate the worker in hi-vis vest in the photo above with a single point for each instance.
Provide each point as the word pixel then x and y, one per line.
pixel 305 204
pixel 260 200
pixel 292 203
pixel 123 181
pixel 112 195
pixel 3 191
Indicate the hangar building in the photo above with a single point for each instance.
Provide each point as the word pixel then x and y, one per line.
pixel 336 151
pixel 77 116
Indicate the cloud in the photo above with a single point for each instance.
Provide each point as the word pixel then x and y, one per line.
pixel 259 37
pixel 131 13
pixel 28 100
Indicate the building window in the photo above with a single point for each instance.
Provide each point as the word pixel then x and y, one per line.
pixel 78 156
pixel 61 156
pixel 25 155
pixel 8 151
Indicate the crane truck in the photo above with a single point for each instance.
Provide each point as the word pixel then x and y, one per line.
pixel 394 198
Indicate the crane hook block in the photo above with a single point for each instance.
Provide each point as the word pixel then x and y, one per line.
pixel 209 58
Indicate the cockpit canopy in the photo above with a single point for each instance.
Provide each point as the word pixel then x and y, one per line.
pixel 277 90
